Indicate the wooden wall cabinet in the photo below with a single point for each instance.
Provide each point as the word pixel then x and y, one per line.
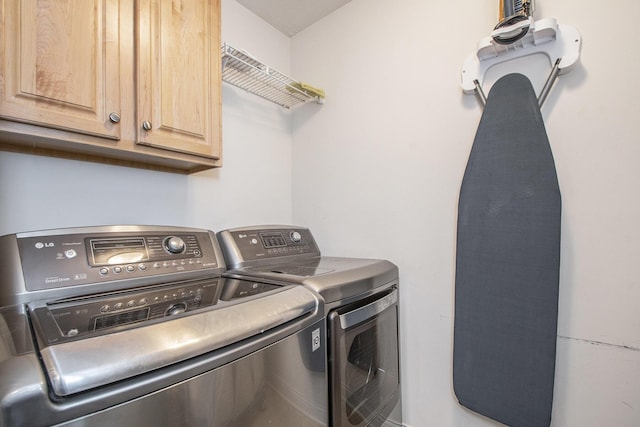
pixel 135 83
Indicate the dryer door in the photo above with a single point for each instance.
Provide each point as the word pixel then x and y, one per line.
pixel 365 375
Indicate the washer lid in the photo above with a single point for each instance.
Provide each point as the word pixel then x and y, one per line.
pixel 81 365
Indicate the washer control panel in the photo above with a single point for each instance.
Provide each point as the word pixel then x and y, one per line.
pixel 62 260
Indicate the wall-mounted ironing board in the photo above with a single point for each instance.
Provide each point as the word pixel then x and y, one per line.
pixel 508 243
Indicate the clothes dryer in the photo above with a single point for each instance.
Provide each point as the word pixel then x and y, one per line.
pixel 361 307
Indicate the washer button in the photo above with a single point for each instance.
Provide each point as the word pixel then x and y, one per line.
pixel 117 269
pixel 131 268
pixel 142 267
pixel 131 303
pixel 71 253
pixel 105 308
pixel 103 271
pixel 118 306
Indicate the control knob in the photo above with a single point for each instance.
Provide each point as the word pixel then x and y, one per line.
pixel 296 237
pixel 174 245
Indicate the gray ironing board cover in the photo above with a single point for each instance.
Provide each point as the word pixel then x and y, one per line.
pixel 507 263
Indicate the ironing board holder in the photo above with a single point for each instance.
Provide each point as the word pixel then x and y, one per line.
pixel 560 43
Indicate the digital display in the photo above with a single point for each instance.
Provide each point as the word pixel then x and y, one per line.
pixel 117 243
pixel 118 251
pixel 273 240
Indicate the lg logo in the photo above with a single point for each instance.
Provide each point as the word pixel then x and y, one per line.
pixel 41 245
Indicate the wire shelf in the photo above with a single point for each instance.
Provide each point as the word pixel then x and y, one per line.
pixel 244 71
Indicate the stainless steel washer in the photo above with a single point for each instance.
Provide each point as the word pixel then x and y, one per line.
pixel 135 325
pixel 361 305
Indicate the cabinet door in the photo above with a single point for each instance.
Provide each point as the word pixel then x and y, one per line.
pixel 178 75
pixel 59 64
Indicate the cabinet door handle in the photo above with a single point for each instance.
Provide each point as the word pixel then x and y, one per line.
pixel 114 117
pixel 146 125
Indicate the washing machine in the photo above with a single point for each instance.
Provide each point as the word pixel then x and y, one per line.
pixel 135 325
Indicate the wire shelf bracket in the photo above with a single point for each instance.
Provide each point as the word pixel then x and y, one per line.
pixel 561 43
pixel 242 70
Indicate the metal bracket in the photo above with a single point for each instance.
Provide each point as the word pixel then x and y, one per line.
pixel 553 76
pixel 555 71
pixel 480 93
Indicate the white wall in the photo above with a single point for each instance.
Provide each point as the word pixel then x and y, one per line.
pixel 254 186
pixel 377 170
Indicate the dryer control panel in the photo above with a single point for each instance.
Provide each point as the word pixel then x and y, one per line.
pixel 246 246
